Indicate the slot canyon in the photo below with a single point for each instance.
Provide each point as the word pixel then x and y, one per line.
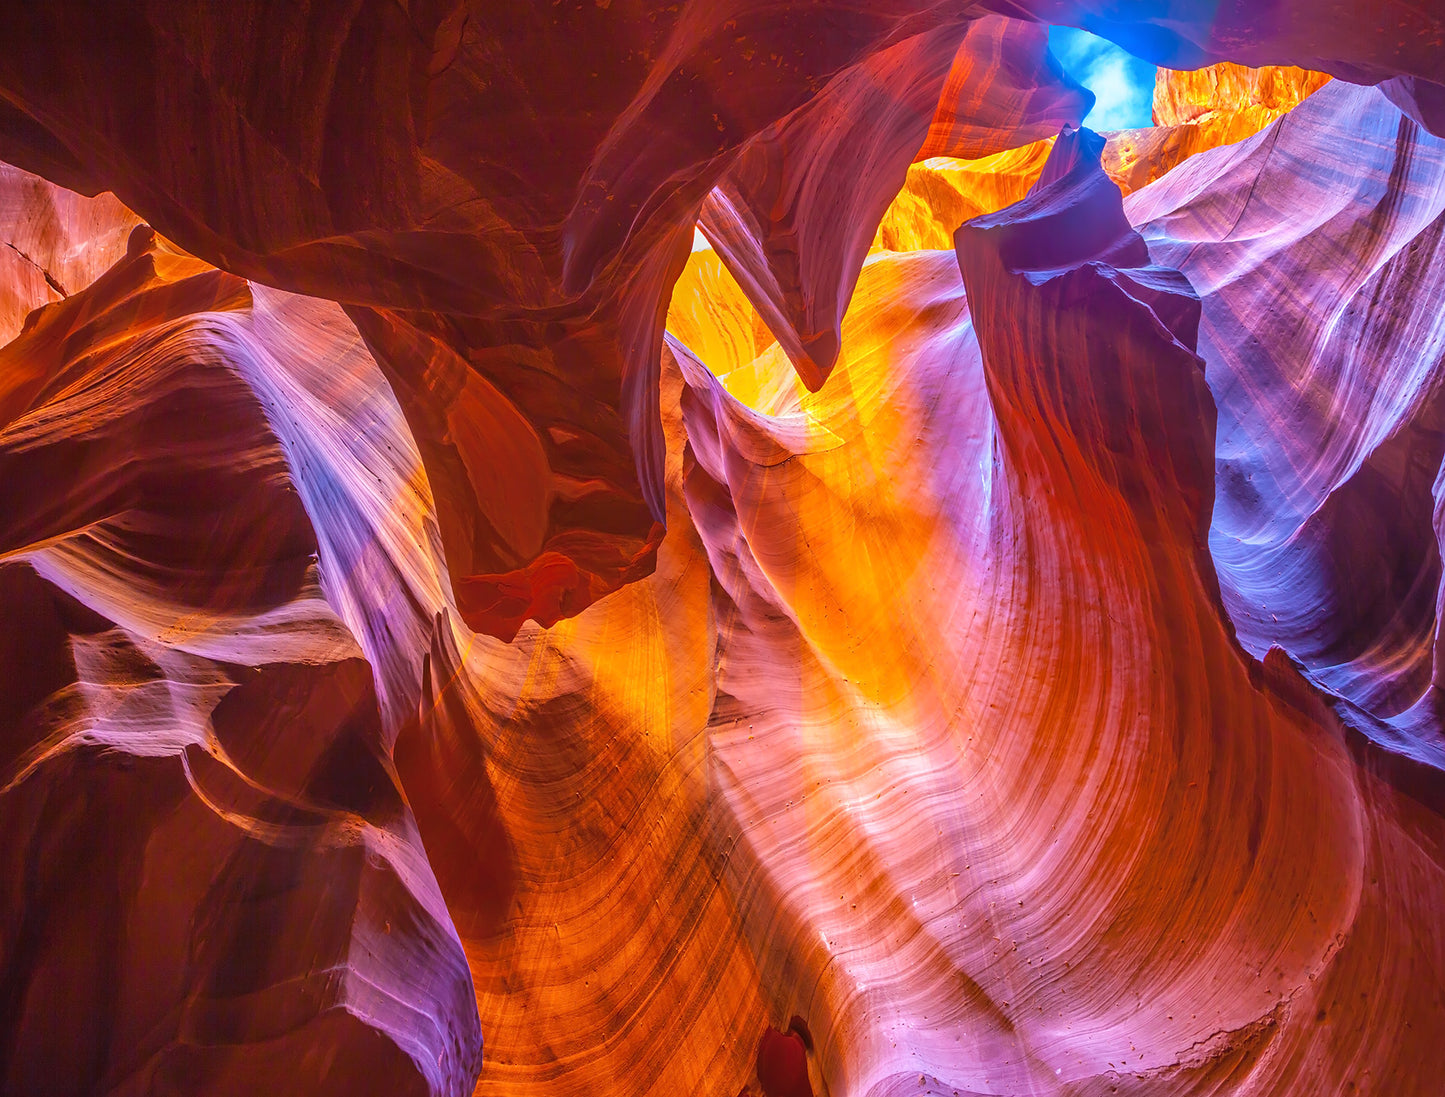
pixel 737 548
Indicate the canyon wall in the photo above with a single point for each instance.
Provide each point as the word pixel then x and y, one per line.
pixel 968 626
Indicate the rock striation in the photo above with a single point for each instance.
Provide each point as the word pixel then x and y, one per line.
pixel 213 881
pixel 1328 405
pixel 970 628
pixel 1193 111
pixel 514 288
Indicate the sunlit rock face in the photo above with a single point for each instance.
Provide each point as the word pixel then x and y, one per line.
pixel 1193 111
pixel 213 883
pixel 55 242
pixel 1233 90
pixel 794 234
pixel 1329 405
pixel 970 628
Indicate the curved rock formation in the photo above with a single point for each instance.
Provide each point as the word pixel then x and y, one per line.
pixel 213 883
pixel 792 218
pixel 507 255
pixel 916 855
pixel 1329 404
pixel 1199 110
pixel 515 637
pixel 50 239
pixel 1193 111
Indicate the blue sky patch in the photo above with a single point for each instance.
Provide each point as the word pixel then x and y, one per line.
pixel 1123 84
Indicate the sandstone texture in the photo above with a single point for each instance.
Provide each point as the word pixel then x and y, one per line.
pixel 628 549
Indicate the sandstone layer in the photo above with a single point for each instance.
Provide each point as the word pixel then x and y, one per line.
pixel 457 635
pixel 502 196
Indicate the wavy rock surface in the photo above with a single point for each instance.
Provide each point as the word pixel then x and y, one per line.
pixel 1202 109
pixel 943 192
pixel 1242 94
pixel 1007 810
pixel 53 242
pixel 506 254
pixel 1328 387
pixel 792 218
pixel 1218 105
pixel 212 882
pixel 356 703
pixel 901 852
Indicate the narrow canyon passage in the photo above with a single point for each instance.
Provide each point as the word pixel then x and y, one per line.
pixel 722 548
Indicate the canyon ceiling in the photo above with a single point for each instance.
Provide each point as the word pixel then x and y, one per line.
pixel 621 548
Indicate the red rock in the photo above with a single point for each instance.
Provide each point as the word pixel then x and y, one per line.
pixel 1331 423
pixel 353 700
pixel 794 215
pixel 213 882
pixel 434 165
